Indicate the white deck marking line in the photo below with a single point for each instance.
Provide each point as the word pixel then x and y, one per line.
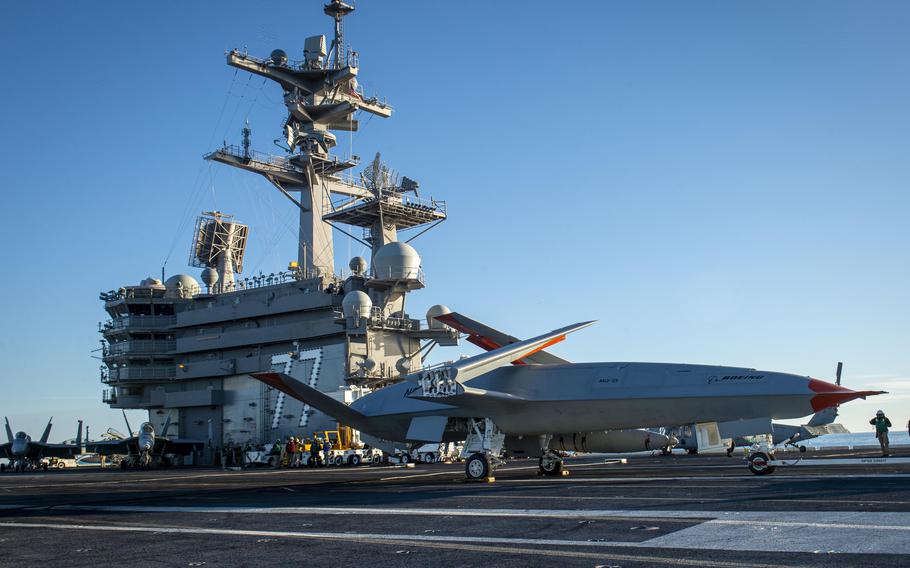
pixel 627 498
pixel 460 543
pixel 739 479
pixel 77 483
pixel 899 520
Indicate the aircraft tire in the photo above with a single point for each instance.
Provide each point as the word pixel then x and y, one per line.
pixel 477 467
pixel 758 464
pixel 550 467
pixel 2 468
pixel 405 458
pixel 802 449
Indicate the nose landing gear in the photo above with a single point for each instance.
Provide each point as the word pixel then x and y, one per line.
pixel 483 445
pixel 550 463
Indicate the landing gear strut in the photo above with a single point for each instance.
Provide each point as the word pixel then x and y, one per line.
pixel 483 445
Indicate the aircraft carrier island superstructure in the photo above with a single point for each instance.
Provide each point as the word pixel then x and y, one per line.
pixel 183 349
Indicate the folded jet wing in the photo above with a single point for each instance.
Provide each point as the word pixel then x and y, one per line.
pixel 450 382
pixel 488 339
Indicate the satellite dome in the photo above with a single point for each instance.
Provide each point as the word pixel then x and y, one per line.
pixel 209 276
pixel 369 364
pixel 181 286
pixel 396 261
pixel 403 365
pixel 356 304
pixel 437 310
pixel 151 283
pixel 279 57
pixel 358 265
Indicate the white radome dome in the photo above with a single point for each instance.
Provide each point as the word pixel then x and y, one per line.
pixel 437 310
pixel 209 276
pixel 151 283
pixel 356 304
pixel 396 261
pixel 181 286
pixel 358 265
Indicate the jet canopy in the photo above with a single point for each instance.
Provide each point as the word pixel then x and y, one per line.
pixel 147 428
pixel 21 435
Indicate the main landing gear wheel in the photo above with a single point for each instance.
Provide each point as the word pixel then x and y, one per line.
pixel 550 464
pixel 477 467
pixel 758 464
pixel 405 458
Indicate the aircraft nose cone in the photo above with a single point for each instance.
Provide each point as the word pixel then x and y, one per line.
pixel 829 394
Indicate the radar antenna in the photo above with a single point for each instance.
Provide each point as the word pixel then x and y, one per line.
pixel 218 246
pixel 338 10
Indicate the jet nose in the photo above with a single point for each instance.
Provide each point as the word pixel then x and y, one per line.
pixel 828 394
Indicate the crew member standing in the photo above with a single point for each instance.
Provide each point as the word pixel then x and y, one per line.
pixel 881 424
pixel 326 451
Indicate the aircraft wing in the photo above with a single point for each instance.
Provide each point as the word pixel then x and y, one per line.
pixel 489 339
pixel 315 398
pixel 453 380
pixel 58 450
pixel 111 447
pixel 827 429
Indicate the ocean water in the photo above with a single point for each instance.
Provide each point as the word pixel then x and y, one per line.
pixel 857 439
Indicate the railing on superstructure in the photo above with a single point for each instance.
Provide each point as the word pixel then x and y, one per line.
pixel 136 321
pixel 375 318
pixel 141 346
pixel 387 196
pixel 276 279
pixel 109 396
pixel 281 162
pixel 140 373
pixel 351 59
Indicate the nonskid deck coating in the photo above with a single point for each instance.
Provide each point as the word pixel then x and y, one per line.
pixel 652 511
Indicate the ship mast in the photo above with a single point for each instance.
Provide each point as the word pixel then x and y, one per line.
pixel 321 95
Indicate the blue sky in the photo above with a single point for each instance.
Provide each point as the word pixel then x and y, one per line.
pixel 714 182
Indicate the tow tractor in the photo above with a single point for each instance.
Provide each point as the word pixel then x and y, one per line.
pixel 763 461
pixel 344 450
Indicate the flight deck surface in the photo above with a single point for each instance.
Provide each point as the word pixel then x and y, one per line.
pixel 679 510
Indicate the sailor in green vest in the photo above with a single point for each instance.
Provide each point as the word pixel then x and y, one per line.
pixel 882 424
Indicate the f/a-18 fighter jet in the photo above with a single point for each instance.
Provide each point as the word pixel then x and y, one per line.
pixel 494 406
pixel 24 454
pixel 145 448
